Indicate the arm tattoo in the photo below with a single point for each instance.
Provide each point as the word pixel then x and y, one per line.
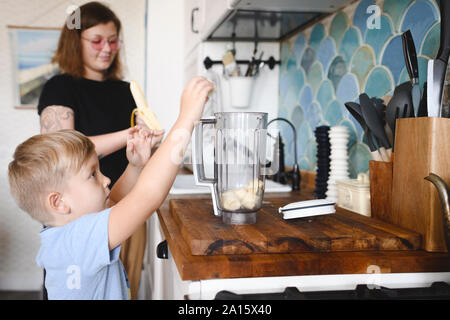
pixel 52 118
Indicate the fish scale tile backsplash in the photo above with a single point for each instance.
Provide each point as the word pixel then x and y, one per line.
pixel 342 56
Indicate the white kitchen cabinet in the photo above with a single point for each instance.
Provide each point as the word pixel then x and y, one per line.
pixel 160 277
pixel 194 18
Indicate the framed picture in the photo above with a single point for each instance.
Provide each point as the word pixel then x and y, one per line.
pixel 32 51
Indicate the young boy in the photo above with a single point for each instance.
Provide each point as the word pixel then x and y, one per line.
pixel 55 178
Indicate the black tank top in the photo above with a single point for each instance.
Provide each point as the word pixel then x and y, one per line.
pixel 100 107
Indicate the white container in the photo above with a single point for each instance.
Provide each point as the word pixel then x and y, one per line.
pixel 354 194
pixel 241 89
pixel 339 160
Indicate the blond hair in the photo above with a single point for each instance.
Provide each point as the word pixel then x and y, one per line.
pixel 42 164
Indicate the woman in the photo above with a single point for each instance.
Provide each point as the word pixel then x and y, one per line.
pixel 89 96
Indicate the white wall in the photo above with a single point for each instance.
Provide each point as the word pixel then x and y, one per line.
pixel 165 59
pixel 19 235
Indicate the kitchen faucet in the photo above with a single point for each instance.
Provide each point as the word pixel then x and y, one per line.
pixel 443 192
pixel 295 173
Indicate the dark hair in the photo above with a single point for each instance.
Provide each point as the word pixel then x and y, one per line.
pixel 68 54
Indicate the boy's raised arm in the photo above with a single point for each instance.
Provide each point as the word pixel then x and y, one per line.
pixel 159 173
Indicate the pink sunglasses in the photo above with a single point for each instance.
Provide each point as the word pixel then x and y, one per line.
pixel 99 43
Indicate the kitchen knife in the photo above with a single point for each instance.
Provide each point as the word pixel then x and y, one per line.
pixel 409 52
pixel 423 102
pixel 432 98
pixel 438 67
pixel 445 104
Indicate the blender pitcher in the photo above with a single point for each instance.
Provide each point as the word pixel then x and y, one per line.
pixel 237 187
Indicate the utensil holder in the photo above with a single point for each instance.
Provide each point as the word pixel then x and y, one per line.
pixel 241 89
pixel 380 177
pixel 422 146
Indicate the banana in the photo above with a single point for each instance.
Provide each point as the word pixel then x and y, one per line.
pixel 143 109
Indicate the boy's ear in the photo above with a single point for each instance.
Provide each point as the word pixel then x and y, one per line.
pixel 56 203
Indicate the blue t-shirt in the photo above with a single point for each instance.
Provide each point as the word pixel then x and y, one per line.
pixel 78 262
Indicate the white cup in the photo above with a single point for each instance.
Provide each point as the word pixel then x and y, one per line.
pixel 241 89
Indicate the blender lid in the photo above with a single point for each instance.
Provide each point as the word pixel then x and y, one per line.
pixel 308 208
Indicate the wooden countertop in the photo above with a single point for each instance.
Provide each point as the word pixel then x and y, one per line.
pixel 204 267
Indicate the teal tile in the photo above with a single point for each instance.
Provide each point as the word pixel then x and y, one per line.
pixel 431 42
pixel 304 134
pixel 376 38
pixel 333 113
pixel 419 18
pixel 308 59
pixel 299 46
pixel 348 88
pixel 337 70
pixel 379 82
pixel 306 96
pixel 297 116
pixel 297 79
pixel 315 75
pixel 285 84
pixel 396 9
pixel 338 26
pixel 359 157
pixel 311 154
pixel 325 93
pixel 326 52
pixel 352 171
pixel 393 57
pixel 317 35
pixel 362 62
pixel 290 99
pixel 291 64
pixel 349 43
pixel 338 60
pixel 312 114
pixel 288 138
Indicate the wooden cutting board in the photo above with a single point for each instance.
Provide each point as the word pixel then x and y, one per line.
pixel 206 234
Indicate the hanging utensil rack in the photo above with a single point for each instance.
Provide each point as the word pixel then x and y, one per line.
pixel 271 62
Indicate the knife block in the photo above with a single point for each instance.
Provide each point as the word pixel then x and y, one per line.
pixel 380 174
pixel 422 146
